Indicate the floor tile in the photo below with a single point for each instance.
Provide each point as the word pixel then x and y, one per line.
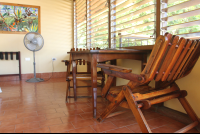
pixel 102 127
pixel 74 112
pixel 125 115
pixel 176 125
pixel 87 109
pixel 51 106
pixel 9 108
pixel 164 129
pixel 8 117
pixel 83 130
pixel 120 130
pixel 151 115
pixel 7 129
pixel 61 128
pixel 83 123
pixel 74 118
pixel 50 122
pixel 23 115
pixel 157 122
pixel 27 126
pixel 135 128
pixel 55 115
pixel 34 119
pixel 16 111
pixel 88 115
pixel 39 130
pixel 11 122
pixel 48 111
pixel 124 122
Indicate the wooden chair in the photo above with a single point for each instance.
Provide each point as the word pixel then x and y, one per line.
pixel 84 76
pixel 171 59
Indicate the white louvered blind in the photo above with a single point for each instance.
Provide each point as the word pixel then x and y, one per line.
pixel 80 25
pixel 134 21
pixel 181 17
pixel 97 23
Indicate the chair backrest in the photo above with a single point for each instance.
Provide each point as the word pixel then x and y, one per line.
pixel 81 61
pixel 171 58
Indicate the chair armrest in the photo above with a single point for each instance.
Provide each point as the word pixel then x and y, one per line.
pixel 67 62
pixel 115 68
pixel 121 72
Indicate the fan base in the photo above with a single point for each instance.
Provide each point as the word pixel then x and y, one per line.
pixel 35 80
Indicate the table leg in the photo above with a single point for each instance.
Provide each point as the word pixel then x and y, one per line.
pixel 114 62
pixel 74 78
pixel 94 84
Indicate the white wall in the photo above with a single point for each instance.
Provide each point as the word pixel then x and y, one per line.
pixel 57 31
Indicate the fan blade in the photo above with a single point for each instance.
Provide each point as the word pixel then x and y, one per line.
pixel 39 41
pixel 30 36
pixel 31 46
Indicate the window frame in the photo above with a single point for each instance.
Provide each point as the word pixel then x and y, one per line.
pixel 157 28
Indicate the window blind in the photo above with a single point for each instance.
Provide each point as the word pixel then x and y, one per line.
pixel 97 23
pixel 181 17
pixel 132 22
pixel 80 25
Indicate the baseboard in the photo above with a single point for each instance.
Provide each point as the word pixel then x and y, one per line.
pixel 29 76
pixel 176 115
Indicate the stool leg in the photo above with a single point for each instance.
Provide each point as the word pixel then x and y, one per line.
pixel 68 89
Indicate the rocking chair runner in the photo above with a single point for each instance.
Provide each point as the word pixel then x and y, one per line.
pixel 85 76
pixel 171 59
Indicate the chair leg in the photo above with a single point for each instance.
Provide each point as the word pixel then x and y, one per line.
pixel 107 86
pixel 136 111
pixel 189 109
pixel 112 106
pixel 102 83
pixel 68 89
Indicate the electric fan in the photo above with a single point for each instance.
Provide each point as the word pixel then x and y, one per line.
pixel 34 42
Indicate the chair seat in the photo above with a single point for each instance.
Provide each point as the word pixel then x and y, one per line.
pixel 114 91
pixel 84 77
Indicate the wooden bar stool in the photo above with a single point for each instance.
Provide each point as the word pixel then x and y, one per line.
pixel 84 76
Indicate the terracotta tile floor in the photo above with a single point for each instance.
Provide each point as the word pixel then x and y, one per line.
pixel 41 108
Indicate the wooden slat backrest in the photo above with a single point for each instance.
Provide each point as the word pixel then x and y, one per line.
pixel 181 44
pixel 191 61
pixel 182 60
pixel 168 55
pixel 156 57
pixel 171 58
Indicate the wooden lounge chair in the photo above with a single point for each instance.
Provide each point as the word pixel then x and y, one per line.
pixel 84 76
pixel 171 59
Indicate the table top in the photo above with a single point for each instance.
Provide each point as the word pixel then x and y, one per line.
pixel 110 51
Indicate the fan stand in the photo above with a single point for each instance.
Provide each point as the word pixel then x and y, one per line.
pixel 35 80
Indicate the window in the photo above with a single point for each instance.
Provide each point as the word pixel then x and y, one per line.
pixel 132 22
pixel 114 23
pixel 80 24
pixel 181 17
pixel 97 21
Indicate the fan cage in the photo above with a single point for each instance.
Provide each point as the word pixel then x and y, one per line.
pixel 36 35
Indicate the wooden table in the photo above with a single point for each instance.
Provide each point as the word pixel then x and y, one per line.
pixel 95 56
